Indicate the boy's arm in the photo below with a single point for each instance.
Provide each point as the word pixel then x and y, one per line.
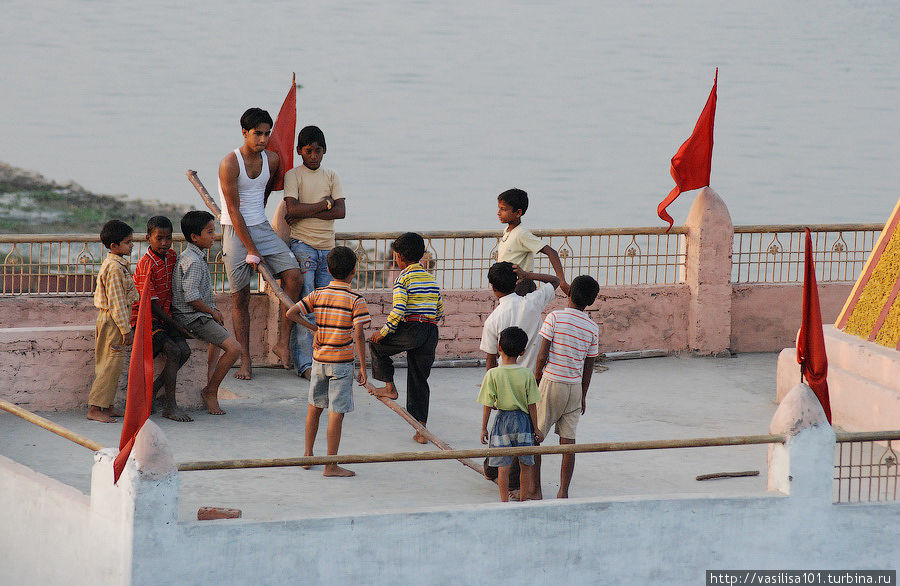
pixel 296 313
pixel 532 412
pixel 543 354
pixel 553 257
pixel 160 314
pixel 118 309
pixel 294 210
pixel 337 212
pixel 484 421
pixel 359 338
pixel 586 380
pixel 490 361
pixel 540 277
pixel 398 311
pixel 274 165
pixel 228 176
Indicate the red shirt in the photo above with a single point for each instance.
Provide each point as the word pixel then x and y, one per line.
pixel 159 271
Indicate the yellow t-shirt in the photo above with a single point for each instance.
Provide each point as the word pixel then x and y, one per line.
pixel 310 186
pixel 518 247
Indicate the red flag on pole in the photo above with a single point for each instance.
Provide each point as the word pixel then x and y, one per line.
pixel 692 164
pixel 281 141
pixel 811 340
pixel 139 397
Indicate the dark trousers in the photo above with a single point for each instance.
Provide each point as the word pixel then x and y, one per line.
pixel 418 340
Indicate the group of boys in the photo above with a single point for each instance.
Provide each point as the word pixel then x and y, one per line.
pixel 531 386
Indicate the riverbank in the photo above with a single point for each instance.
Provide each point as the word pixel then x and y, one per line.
pixel 32 204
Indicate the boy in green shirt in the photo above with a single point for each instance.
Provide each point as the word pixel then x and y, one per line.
pixel 512 390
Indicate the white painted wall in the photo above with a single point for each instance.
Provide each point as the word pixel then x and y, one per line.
pixel 654 540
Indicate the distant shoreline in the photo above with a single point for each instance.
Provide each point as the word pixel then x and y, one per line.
pixel 32 204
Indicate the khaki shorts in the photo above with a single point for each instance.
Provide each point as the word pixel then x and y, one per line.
pixel 560 405
pixel 207 329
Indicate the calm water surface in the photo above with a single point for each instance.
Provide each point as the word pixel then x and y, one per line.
pixel 432 108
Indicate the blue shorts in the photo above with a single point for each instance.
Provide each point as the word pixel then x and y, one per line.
pixel 331 386
pixel 511 429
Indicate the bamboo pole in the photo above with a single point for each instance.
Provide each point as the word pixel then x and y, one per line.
pixel 50 426
pixel 482 453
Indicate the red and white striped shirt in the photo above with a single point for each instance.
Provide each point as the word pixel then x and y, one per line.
pixel 573 337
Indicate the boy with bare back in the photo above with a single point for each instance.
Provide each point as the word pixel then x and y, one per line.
pixel 245 180
pixel 194 307
pixel 340 316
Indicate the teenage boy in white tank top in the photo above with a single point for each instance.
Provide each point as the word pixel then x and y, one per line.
pixel 245 181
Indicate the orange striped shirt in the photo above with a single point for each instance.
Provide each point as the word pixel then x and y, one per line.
pixel 336 309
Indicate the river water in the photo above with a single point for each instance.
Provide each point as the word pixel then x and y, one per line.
pixel 432 108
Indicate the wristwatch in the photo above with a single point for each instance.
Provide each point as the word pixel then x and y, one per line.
pixel 329 204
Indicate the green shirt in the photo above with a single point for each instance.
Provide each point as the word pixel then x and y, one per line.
pixel 509 387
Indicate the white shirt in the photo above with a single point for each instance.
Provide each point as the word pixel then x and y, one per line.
pixel 524 312
pixel 251 193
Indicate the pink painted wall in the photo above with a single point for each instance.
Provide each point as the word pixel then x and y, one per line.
pixel 766 317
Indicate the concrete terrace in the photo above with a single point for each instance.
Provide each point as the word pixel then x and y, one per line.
pixel 658 398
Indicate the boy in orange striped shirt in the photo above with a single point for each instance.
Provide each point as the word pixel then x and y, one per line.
pixel 340 316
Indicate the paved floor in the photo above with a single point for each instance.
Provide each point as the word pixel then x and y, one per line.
pixel 656 398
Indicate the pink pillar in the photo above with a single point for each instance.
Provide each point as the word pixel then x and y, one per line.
pixel 708 273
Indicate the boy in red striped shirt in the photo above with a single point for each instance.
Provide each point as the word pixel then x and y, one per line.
pixel 565 363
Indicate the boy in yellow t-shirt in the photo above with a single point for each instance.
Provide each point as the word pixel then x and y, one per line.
pixel 517 244
pixel 512 390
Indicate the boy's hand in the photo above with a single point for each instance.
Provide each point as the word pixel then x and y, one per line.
pixel 361 376
pixel 312 328
pixel 376 337
pixel 583 405
pixel 484 435
pixel 520 274
pixel 538 437
pixel 217 316
pixel 128 339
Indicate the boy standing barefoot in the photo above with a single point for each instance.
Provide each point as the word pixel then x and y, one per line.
pixel 340 316
pixel 113 296
pixel 194 307
pixel 411 327
pixel 157 266
pixel 512 391
pixel 571 342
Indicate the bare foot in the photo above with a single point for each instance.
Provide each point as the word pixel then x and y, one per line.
pixel 386 391
pixel 175 414
pixel 284 355
pixel 335 470
pixel 244 372
pixel 308 466
pixel 420 438
pixel 97 414
pixel 211 400
pixel 307 374
pixel 562 494
pixel 113 412
pixel 514 495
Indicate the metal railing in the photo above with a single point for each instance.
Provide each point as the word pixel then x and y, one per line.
pixel 774 254
pixel 67 264
pixel 865 470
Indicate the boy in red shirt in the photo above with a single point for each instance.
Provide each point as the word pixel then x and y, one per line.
pixel 157 265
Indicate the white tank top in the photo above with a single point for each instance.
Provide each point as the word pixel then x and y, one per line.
pixel 251 193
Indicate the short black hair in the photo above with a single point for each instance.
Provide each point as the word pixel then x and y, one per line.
pixel 114 232
pixel 513 341
pixel 341 262
pixel 309 135
pixel 410 246
pixel 193 222
pixel 253 117
pixel 584 290
pixel 158 222
pixel 525 286
pixel 502 277
pixel 516 198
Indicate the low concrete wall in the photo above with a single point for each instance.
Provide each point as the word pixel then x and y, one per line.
pixel 651 540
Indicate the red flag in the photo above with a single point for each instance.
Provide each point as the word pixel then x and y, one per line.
pixel 139 397
pixel 692 164
pixel 811 340
pixel 281 141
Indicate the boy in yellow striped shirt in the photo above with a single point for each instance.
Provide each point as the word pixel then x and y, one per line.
pixel 341 315
pixel 411 327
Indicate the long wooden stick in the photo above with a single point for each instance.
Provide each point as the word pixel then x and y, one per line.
pixel 282 296
pixel 484 452
pixel 50 426
pixel 427 434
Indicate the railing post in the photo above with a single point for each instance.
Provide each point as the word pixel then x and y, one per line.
pixel 708 273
